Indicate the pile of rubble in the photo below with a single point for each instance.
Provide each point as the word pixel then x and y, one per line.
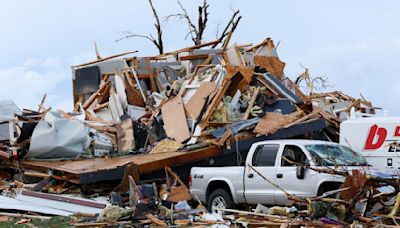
pixel 363 200
pixel 142 114
pixel 178 101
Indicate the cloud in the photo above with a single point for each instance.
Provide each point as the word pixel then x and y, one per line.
pixel 26 84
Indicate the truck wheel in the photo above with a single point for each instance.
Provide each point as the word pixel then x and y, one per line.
pixel 219 198
pixel 328 188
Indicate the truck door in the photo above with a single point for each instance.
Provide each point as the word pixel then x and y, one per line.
pixel 286 176
pixel 257 190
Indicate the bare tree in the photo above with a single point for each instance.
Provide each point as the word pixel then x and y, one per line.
pixel 230 26
pixel 197 31
pixel 311 83
pixel 157 42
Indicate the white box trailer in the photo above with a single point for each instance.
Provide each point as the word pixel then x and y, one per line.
pixel 376 138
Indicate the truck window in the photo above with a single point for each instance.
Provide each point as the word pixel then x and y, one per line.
pixel 293 153
pixel 265 155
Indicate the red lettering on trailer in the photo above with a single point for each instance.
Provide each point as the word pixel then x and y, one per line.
pixel 373 132
pixel 397 131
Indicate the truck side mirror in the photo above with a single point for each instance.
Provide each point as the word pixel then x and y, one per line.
pixel 300 172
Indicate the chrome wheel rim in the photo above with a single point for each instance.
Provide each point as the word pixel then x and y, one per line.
pixel 218 202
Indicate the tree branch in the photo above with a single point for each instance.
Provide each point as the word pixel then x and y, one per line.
pixel 232 24
pixel 157 42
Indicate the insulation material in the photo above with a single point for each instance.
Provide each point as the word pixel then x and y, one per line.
pixel 174 117
pixel 55 137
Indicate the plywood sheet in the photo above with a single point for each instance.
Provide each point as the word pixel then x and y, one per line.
pixel 272 122
pixel 174 118
pixel 165 146
pixel 197 101
pixel 271 64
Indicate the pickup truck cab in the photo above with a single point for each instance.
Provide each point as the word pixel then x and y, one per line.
pixel 279 162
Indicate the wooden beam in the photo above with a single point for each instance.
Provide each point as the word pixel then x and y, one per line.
pixel 105 58
pixel 251 103
pixel 193 57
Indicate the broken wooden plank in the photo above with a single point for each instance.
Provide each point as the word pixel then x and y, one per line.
pixel 104 59
pixel 251 104
pixel 174 118
pixel 216 100
pixel 93 97
pixel 193 57
pixel 197 101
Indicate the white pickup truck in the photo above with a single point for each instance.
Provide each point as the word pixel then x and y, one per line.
pixel 229 186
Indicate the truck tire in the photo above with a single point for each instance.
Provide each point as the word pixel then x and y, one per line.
pixel 219 198
pixel 326 188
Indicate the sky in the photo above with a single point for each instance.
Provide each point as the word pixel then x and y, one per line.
pixel 355 44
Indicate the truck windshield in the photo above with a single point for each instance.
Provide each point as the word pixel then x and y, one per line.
pixel 335 155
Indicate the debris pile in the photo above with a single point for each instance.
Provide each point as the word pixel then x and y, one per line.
pixel 136 115
pixel 365 199
pixel 179 101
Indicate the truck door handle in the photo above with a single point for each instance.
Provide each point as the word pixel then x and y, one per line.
pixel 279 175
pixel 251 175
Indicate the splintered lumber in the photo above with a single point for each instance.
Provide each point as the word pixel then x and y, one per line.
pixel 93 97
pixel 216 100
pixel 156 221
pixel 101 106
pixel 251 103
pixel 105 58
pixel 174 118
pixel 192 48
pixel 267 216
pixel 15 215
pixel 197 101
pixel 301 120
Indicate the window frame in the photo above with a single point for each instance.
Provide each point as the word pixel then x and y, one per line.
pixel 258 152
pixel 307 162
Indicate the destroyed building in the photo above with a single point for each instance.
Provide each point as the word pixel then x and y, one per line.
pixel 172 109
pixel 136 116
